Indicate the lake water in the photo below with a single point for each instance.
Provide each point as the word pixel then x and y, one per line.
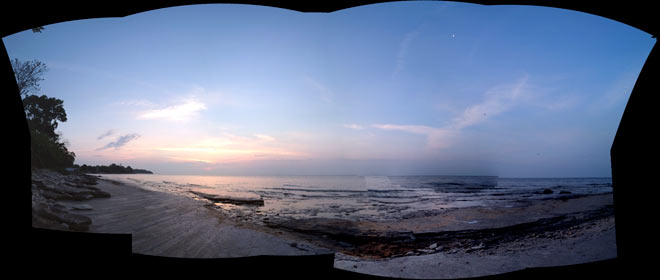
pixel 365 197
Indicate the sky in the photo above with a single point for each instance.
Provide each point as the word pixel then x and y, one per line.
pixel 422 88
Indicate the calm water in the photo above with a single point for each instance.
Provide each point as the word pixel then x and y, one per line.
pixel 365 197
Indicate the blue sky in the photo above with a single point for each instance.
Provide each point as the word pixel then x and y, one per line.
pixel 417 88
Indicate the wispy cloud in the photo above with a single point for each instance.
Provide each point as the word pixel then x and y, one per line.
pixel 265 137
pixel 185 111
pixel 404 47
pixel 354 126
pixel 137 103
pixel 436 137
pixel 562 102
pixel 106 134
pixel 120 141
pixel 617 93
pixel 327 95
pixel 496 101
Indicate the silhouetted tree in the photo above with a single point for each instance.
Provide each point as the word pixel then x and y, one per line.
pixel 43 114
pixel 28 75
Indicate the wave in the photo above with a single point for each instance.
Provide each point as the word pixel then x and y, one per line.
pixel 318 190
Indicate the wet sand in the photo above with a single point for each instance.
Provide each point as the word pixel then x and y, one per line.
pixel 168 225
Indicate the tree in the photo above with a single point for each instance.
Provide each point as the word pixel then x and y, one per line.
pixel 28 75
pixel 43 114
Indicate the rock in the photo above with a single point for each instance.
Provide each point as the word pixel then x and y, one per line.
pixel 59 208
pixel 82 207
pixel 547 191
pixel 55 195
pixel 101 194
pixel 565 192
pixel 433 246
pixel 82 197
pixel 344 244
pixel 61 205
pixel 229 199
pixel 473 248
pixel 73 221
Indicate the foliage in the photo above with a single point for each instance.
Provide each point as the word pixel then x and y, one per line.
pixel 43 114
pixel 111 169
pixel 28 75
pixel 46 153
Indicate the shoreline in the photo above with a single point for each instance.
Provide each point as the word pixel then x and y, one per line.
pixel 462 229
pixel 449 244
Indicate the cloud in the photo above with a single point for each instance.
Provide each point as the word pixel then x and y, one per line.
pixel 354 126
pixel 417 129
pixel 562 102
pixel 120 142
pixel 177 113
pixel 137 103
pixel 497 100
pixel 618 93
pixel 327 95
pixel 264 137
pixel 106 134
pixel 436 137
pixel 404 46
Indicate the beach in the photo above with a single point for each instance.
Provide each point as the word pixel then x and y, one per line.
pixel 453 243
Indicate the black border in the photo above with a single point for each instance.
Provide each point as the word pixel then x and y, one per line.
pixel 633 158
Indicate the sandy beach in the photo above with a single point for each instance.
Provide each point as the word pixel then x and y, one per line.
pixel 465 242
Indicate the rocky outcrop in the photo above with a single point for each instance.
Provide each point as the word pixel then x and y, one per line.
pixel 50 191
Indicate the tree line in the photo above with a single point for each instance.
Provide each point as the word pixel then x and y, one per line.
pixel 110 169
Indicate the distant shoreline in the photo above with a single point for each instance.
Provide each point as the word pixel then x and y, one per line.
pixel 109 169
pixel 101 173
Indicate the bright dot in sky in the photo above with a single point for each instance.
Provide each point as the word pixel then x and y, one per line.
pixel 452 35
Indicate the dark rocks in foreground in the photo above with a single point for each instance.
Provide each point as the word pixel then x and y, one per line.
pixel 349 238
pixel 50 189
